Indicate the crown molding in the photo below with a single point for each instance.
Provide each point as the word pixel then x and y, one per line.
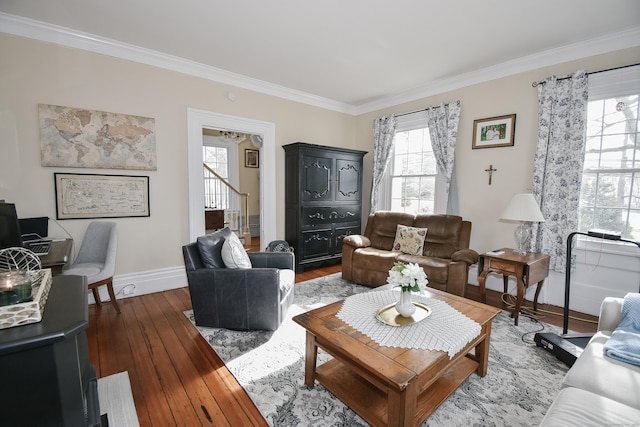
pixel 42 31
pixel 28 28
pixel 609 43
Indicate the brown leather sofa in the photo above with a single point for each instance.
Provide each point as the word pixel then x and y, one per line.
pixel 367 259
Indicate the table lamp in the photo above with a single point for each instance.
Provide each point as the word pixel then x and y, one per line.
pixel 523 208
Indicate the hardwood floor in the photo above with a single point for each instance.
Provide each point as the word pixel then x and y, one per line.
pixel 176 379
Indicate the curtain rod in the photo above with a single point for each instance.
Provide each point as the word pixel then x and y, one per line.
pixel 541 82
pixel 424 109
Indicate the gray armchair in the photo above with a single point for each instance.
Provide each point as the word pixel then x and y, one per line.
pixel 96 259
pixel 240 299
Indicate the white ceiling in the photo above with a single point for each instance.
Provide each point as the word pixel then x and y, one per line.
pixel 355 55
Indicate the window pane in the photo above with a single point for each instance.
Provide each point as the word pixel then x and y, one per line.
pixel 414 172
pixel 610 194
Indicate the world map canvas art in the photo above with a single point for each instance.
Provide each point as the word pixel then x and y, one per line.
pixel 80 138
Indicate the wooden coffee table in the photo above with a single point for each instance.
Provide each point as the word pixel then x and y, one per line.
pixel 389 386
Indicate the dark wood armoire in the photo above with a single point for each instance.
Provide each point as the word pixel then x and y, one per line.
pixel 323 200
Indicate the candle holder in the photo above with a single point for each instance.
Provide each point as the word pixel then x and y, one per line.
pixel 15 287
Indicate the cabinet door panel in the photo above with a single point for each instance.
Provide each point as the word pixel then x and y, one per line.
pixel 316 178
pixel 317 243
pixel 348 180
pixel 322 215
pixel 340 233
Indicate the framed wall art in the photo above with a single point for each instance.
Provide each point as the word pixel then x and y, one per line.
pixel 101 196
pixel 494 131
pixel 251 158
pixel 82 138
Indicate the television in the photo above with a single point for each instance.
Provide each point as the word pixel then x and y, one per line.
pixel 9 226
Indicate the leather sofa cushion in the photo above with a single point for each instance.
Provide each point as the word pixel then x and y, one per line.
pixel 210 248
pixel 437 269
pixel 599 374
pixel 286 279
pixel 576 407
pixel 374 259
pixel 384 229
pixel 443 235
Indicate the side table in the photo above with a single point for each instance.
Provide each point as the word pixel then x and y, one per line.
pixel 527 269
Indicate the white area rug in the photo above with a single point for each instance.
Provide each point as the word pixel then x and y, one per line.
pixel 116 400
pixel 519 387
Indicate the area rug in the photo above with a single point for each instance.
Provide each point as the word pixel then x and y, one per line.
pixel 521 383
pixel 116 400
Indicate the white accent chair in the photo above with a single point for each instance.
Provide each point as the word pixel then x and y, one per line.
pixel 96 259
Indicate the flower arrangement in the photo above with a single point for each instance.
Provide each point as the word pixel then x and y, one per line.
pixel 409 277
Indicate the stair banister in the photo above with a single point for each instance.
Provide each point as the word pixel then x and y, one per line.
pixel 246 234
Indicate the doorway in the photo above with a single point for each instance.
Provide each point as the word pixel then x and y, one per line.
pixel 197 120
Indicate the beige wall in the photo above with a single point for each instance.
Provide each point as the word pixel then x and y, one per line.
pixel 479 202
pixel 33 72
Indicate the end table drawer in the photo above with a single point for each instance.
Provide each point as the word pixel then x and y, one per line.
pixel 495 264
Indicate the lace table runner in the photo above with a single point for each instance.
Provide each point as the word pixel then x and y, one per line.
pixel 446 329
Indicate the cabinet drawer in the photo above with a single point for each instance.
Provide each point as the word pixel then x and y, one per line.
pixel 496 264
pixel 320 215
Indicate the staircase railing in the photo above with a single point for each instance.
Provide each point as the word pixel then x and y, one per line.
pixel 246 234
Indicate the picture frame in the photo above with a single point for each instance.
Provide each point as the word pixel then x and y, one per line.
pixel 83 196
pixel 494 132
pixel 251 158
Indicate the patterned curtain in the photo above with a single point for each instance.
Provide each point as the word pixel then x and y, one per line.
pixel 558 162
pixel 443 122
pixel 384 130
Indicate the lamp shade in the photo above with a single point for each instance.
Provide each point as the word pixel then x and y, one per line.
pixel 523 207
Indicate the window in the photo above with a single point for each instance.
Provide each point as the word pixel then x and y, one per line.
pixel 216 194
pixel 412 171
pixel 610 194
pixel 411 183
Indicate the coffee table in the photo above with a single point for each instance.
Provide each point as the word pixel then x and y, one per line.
pixel 390 386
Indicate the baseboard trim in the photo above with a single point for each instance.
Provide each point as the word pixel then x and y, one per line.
pixel 145 282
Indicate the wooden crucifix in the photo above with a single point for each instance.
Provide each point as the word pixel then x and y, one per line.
pixel 491 170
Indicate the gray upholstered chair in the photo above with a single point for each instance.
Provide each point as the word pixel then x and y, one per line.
pixel 96 259
pixel 243 298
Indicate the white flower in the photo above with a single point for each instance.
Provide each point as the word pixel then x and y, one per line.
pixel 408 277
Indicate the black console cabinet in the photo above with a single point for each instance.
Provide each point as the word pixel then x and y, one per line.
pixel 46 375
pixel 323 200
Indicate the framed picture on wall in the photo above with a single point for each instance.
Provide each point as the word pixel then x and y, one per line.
pixel 494 131
pixel 251 158
pixel 101 196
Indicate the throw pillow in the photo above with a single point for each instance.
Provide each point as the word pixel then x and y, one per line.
pixel 409 240
pixel 233 253
pixel 210 247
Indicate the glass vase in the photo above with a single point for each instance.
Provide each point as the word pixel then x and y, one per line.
pixel 404 306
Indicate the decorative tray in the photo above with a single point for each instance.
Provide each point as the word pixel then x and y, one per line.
pixel 30 311
pixel 389 315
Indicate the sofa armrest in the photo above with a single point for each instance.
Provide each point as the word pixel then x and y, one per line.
pixel 279 260
pixel 610 314
pixel 357 241
pixel 466 255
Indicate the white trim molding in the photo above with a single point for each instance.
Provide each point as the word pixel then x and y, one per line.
pixel 144 282
pixel 37 30
pixel 200 119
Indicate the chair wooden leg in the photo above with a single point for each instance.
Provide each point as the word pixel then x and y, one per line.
pixel 109 282
pixel 96 296
pixel 112 295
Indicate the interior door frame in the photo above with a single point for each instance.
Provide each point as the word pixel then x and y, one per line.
pixel 201 119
